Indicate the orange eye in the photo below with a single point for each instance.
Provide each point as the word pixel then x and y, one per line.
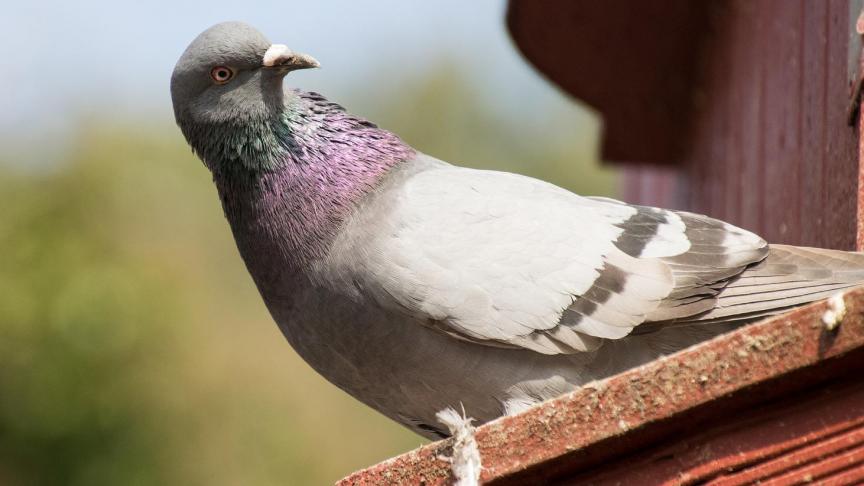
pixel 221 74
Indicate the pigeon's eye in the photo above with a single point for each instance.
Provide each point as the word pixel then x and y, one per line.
pixel 221 74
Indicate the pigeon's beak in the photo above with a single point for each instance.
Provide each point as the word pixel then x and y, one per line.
pixel 280 58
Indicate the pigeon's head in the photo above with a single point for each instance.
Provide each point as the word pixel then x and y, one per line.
pixel 231 73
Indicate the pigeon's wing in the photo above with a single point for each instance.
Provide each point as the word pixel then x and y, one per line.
pixel 506 260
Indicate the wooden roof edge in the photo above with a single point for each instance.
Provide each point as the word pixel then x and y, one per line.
pixel 624 412
pixel 636 63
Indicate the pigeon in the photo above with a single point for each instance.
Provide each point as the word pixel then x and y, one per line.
pixel 416 285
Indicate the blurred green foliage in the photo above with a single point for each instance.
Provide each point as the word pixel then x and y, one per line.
pixel 133 346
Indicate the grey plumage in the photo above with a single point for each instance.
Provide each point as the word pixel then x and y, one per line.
pixel 416 285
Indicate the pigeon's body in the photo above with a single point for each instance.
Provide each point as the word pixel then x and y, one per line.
pixel 416 285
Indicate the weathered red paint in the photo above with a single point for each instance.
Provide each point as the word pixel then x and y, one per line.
pixel 756 112
pixel 633 60
pixel 771 147
pixel 756 403
pixel 815 437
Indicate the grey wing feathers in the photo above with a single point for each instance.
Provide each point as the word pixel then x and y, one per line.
pixel 718 252
pixel 700 254
pixel 505 260
pixel 730 275
pixel 790 276
pixel 685 259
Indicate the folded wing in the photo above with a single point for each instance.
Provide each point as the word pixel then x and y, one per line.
pixel 506 260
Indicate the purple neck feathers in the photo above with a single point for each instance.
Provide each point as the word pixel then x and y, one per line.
pixel 286 206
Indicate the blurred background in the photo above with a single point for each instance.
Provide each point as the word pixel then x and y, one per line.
pixel 134 348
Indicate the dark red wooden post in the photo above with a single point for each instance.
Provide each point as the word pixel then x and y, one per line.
pixel 742 104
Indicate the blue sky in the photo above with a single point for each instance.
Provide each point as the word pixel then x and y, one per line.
pixel 74 58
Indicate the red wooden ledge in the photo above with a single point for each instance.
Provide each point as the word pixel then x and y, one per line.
pixel 779 401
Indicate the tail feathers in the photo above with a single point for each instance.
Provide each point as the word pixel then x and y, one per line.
pixel 788 277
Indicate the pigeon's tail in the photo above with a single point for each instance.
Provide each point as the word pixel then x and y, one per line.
pixel 788 277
